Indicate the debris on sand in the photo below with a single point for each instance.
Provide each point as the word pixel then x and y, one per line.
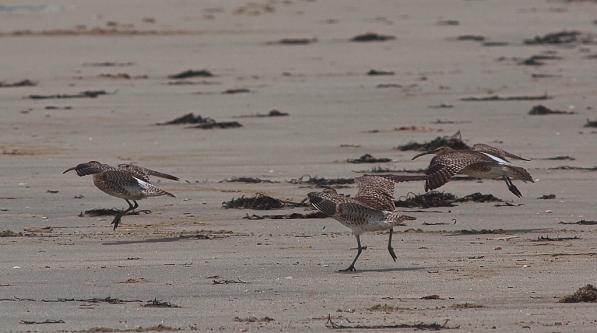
pixel 226 281
pixel 371 37
pixel 320 181
pixel 250 180
pixel 253 319
pixel 441 106
pixel 100 212
pixel 259 202
pixel 291 216
pixel 474 38
pixel 538 60
pixel 495 98
pixel 411 128
pixel 236 91
pixel 10 233
pixel 156 303
pixel 83 94
pixel 561 37
pixel 188 118
pixel 559 158
pixel 375 72
pixel 47 321
pixel 427 200
pixel 540 110
pixel 294 41
pixel 417 326
pixel 122 76
pixel 379 169
pixel 466 305
pixel 555 239
pixel 570 167
pixel 108 64
pixel 191 73
pixel 591 123
pixel 431 297
pixel 581 222
pixel 272 113
pixel 218 124
pixel 53 107
pixel 383 307
pixel 452 141
pixel 368 158
pixel 22 83
pixel 479 197
pixel 587 293
pixel 547 197
pixel 448 22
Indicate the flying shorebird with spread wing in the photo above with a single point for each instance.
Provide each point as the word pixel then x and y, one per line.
pixel 482 161
pixel 372 209
pixel 126 181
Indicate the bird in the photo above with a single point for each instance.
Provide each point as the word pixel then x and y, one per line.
pixel 481 161
pixel 372 209
pixel 126 181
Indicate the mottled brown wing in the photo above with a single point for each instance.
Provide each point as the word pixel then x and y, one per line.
pixel 483 148
pixel 144 173
pixel 443 167
pixel 118 182
pixel 376 192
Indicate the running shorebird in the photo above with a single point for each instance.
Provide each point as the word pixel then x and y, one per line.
pixel 372 209
pixel 482 161
pixel 126 181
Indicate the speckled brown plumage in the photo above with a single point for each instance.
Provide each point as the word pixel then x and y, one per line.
pixel 372 209
pixel 495 151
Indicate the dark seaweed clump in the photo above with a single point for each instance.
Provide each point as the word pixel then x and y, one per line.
pixel 191 73
pixel 188 118
pixel 427 200
pixel 371 37
pixel 453 141
pixel 368 158
pixel 591 123
pixel 587 293
pixel 561 37
pixel 260 202
pixel 320 181
pixel 540 110
pixel 479 197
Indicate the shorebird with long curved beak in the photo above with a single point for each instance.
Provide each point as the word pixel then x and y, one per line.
pixel 372 209
pixel 482 161
pixel 127 181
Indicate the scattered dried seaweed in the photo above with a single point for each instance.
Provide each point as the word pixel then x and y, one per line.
pixel 108 64
pixel 479 197
pixel 368 158
pixel 427 200
pixel 547 197
pixel 108 212
pixel 383 307
pixel 555 239
pixel 156 328
pixel 561 37
pixel 250 180
pixel 10 233
pixel 96 31
pixel 570 167
pixel 559 158
pixel 291 216
pixel 22 83
pixel 218 124
pixel 188 118
pixel 587 293
pixel 376 72
pixel 156 303
pixel 226 281
pixel 540 110
pixel 494 98
pixel 83 94
pixel 453 141
pixel 431 297
pixel 418 326
pixel 320 181
pixel 122 76
pixel 236 91
pixel 272 113
pixel 379 169
pixel 253 319
pixel 259 202
pixel 474 38
pixel 538 60
pixel 591 123
pixel 466 305
pixel 191 73
pixel 408 128
pixel 109 300
pixel 53 107
pixel 294 41
pixel 581 222
pixel 371 37
pixel 47 321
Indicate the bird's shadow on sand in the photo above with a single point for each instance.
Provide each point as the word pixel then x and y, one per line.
pixel 381 270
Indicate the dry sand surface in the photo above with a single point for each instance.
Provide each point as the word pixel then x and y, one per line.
pixel 485 261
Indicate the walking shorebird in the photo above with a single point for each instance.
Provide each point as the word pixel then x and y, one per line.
pixel 372 209
pixel 482 161
pixel 126 181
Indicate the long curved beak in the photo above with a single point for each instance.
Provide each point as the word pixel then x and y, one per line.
pixel 69 169
pixel 421 154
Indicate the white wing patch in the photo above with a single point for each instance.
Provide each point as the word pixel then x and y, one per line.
pixel 497 159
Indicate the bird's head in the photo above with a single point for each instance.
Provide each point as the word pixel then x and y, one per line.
pixel 88 168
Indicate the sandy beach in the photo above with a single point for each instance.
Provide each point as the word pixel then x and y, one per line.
pixel 90 80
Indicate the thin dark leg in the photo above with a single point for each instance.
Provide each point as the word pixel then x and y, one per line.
pixel 390 248
pixel 119 216
pixel 359 250
pixel 512 187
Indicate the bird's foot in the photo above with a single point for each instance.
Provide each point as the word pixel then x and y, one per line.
pixel 116 221
pixel 392 253
pixel 349 269
pixel 515 190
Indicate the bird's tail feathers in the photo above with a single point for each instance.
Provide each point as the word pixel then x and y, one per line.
pixel 395 218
